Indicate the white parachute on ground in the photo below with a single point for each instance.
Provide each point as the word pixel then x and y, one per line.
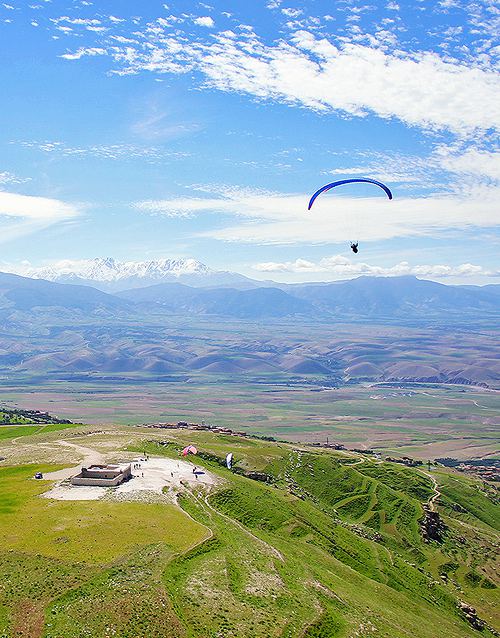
pixel 229 460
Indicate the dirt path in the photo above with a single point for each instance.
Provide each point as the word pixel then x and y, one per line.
pixel 209 529
pixel 460 400
pixel 274 552
pixel 431 503
pixel 16 439
pixel 90 457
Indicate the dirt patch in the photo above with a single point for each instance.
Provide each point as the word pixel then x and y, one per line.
pixel 264 584
pixel 90 457
pixel 28 619
pixel 152 480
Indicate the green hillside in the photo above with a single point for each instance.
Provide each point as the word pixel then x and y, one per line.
pixel 329 545
pixel 10 416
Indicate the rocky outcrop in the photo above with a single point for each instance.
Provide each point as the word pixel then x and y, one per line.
pixel 259 476
pixel 432 526
pixel 471 616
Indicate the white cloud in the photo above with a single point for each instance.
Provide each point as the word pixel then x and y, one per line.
pixel 22 214
pixel 340 267
pixel 291 13
pixel 420 89
pixel 10 178
pixel 84 51
pixel 204 21
pixel 473 161
pixel 272 218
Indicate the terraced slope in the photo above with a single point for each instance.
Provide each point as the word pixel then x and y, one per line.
pixel 324 545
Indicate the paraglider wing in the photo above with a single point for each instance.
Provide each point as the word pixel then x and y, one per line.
pixel 190 449
pixel 327 187
pixel 229 460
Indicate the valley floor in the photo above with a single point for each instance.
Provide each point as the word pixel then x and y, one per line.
pixel 425 421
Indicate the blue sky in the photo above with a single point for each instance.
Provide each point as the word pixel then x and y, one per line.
pixel 142 130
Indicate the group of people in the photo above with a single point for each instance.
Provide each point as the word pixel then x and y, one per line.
pixel 137 466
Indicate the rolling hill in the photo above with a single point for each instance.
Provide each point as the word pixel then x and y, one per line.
pixel 294 542
pixel 258 303
pixel 25 294
pixel 368 329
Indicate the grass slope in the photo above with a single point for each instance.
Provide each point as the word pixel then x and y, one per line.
pixel 7 432
pixel 329 547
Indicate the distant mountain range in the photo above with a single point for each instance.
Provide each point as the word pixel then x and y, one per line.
pixel 365 298
pixel 257 303
pixel 385 298
pixel 111 275
pixel 25 294
pixel 399 297
pixel 174 285
pixel 384 329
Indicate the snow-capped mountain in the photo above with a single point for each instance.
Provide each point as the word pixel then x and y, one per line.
pixel 111 275
pixel 109 269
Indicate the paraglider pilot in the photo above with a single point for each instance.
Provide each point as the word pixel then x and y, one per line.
pixel 327 187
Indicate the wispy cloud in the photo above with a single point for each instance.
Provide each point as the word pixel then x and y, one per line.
pixel 449 166
pixel 83 52
pixel 119 151
pixel 280 218
pixel 340 267
pixel 22 215
pixel 158 124
pixel 472 161
pixel 10 178
pixel 421 89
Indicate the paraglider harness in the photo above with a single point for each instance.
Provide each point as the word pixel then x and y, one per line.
pixel 354 246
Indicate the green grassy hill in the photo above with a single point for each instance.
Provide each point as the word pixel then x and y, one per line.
pixel 329 546
pixel 10 416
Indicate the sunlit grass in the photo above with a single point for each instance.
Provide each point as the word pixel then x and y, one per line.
pixel 88 531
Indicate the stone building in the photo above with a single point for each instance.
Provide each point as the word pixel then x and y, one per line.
pixel 103 475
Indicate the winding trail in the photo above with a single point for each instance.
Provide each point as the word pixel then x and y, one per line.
pixel 460 400
pixel 90 457
pixel 431 503
pixel 274 552
pixel 209 529
pixel 24 425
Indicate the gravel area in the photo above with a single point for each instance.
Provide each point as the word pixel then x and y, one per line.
pixel 146 485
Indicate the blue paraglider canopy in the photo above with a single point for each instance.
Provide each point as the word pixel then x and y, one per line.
pixel 349 181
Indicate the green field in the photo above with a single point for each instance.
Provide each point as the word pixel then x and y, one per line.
pixel 87 531
pixel 330 546
pixel 425 422
pixel 12 432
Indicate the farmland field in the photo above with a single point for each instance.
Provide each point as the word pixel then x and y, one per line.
pixel 424 420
